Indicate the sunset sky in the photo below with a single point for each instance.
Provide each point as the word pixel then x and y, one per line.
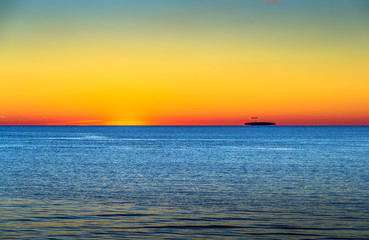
pixel 184 62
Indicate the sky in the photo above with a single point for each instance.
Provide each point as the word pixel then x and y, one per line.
pixel 184 62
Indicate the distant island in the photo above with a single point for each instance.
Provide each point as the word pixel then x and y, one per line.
pixel 259 123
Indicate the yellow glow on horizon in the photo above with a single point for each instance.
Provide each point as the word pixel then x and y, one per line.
pixel 126 123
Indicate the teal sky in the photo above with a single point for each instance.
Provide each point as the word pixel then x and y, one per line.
pixel 326 24
pixel 329 23
pixel 285 14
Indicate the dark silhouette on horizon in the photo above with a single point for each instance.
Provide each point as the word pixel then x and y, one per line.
pixel 256 123
pixel 260 123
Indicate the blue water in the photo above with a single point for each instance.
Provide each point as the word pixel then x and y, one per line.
pixel 184 182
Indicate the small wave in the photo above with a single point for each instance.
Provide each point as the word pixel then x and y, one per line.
pixel 97 138
pixel 11 145
pixel 123 215
pixel 104 138
pixel 277 149
pixel 194 226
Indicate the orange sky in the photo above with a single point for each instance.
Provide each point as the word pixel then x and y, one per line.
pixel 195 64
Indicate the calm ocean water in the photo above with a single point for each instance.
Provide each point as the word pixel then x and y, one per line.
pixel 184 182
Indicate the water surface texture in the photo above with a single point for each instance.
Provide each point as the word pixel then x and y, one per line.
pixel 184 182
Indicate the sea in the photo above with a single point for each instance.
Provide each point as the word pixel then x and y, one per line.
pixel 184 182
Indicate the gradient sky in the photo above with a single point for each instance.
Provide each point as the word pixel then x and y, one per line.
pixel 158 62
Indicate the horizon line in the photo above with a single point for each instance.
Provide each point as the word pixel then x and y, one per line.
pixel 174 125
